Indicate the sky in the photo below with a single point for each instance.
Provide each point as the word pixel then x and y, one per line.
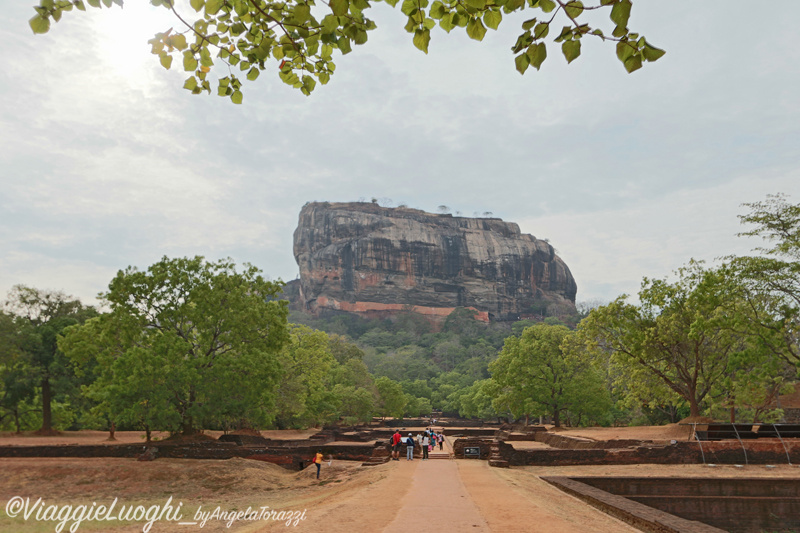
pixel 106 162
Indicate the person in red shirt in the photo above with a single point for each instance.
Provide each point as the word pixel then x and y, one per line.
pixel 396 446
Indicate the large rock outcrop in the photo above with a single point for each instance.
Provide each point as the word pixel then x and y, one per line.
pixel 363 258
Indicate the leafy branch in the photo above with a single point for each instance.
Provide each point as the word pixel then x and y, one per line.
pixel 301 37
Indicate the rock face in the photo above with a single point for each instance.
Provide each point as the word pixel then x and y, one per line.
pixel 363 258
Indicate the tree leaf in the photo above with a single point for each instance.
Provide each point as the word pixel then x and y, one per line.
pixel 329 24
pixel 339 7
pixel 309 83
pixel 409 7
pixel 213 6
pixel 537 54
pixel 447 22
pixel 624 50
pixel 39 24
pixel 475 29
pixel 651 53
pixel 237 97
pixel 634 62
pixel 344 46
pixel 177 40
pixel 166 60
pixel 302 13
pixel 522 62
pixel 437 10
pixel 421 39
pixel 620 13
pixel 189 61
pixel 571 49
pixel 574 9
pixel 541 31
pixel 197 5
pixel 492 19
pixel 547 5
pixel 253 73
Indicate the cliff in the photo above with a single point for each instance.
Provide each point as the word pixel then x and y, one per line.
pixel 364 258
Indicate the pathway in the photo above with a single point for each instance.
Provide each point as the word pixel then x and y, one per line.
pixel 437 501
pixel 456 496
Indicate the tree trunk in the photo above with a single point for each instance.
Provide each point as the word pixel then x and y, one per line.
pixel 187 425
pixel 732 400
pixel 556 418
pixel 16 422
pixel 111 431
pixel 694 407
pixel 47 415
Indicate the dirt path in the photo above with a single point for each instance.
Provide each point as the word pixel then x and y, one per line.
pixel 437 501
pixel 449 496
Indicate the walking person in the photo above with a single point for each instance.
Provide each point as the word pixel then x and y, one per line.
pixel 425 444
pixel 410 448
pixel 440 438
pixel 317 460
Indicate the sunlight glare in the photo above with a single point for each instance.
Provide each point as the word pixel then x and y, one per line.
pixel 123 35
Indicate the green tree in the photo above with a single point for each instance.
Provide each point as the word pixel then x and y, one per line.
pixel 301 37
pixel 193 343
pixel 391 400
pixel 476 400
pixel 679 343
pixel 40 317
pixel 16 385
pixel 306 362
pixel 772 280
pixel 353 373
pixel 416 407
pixel 534 373
pixel 354 404
pixel 343 350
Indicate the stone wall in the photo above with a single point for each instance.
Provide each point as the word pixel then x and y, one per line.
pixel 484 444
pixel 294 457
pixel 768 451
pixel 740 505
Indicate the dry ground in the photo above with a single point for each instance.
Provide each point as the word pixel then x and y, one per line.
pixel 464 495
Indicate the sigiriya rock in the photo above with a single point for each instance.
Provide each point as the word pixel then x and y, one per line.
pixel 363 258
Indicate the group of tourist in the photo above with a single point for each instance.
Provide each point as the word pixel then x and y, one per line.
pixel 426 440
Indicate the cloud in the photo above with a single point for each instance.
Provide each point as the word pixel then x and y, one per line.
pixel 107 162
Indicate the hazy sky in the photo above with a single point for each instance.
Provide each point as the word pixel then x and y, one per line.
pixel 106 162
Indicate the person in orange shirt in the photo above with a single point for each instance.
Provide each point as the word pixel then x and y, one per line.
pixel 318 461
